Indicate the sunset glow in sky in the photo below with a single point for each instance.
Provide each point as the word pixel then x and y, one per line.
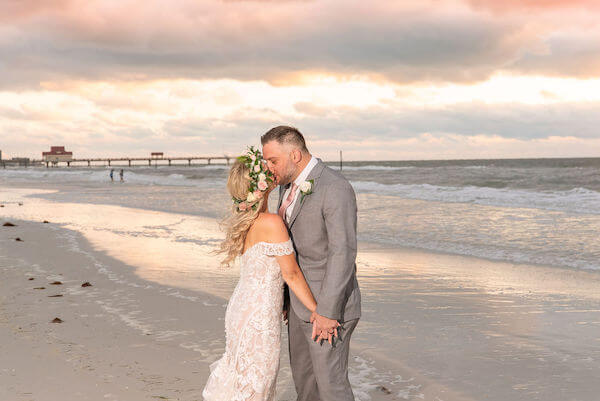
pixel 379 80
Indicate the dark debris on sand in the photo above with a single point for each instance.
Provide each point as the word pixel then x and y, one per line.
pixel 56 283
pixel 18 239
pixel 86 284
pixel 384 390
pixel 8 224
pixel 57 320
pixel 39 288
pixel 55 296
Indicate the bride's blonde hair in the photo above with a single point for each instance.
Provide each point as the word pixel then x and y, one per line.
pixel 237 224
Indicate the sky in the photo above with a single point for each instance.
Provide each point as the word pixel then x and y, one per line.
pixel 378 79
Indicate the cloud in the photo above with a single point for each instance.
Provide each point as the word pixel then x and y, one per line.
pixel 279 41
pixel 378 132
pixel 15 10
pixel 524 122
pixel 570 54
pixel 179 115
pixel 516 6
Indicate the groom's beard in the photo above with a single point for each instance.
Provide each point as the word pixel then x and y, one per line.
pixel 288 177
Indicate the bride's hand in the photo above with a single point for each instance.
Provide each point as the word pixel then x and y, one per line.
pixel 324 328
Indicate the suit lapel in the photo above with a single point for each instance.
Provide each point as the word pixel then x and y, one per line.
pixel 313 175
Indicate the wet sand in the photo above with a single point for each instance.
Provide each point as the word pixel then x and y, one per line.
pixel 472 329
pixel 122 338
pixel 434 327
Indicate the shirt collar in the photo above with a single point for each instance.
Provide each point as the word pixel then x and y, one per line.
pixel 304 174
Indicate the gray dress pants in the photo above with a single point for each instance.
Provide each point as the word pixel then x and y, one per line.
pixel 320 371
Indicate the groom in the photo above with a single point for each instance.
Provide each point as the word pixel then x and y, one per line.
pixel 319 207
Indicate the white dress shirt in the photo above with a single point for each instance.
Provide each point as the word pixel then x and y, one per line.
pixel 299 180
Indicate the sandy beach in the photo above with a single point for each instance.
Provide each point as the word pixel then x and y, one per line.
pixel 120 339
pixel 433 327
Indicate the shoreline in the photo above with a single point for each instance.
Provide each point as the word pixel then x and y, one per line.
pixel 363 244
pixel 435 326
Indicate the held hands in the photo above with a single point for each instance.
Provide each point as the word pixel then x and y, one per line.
pixel 324 328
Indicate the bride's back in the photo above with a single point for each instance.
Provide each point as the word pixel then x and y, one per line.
pixel 267 227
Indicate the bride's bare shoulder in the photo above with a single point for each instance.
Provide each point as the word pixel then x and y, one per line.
pixel 271 228
pixel 269 221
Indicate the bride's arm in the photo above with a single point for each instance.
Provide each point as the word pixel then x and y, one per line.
pixel 273 229
pixel 295 280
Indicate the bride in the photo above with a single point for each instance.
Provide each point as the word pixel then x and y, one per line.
pixel 248 368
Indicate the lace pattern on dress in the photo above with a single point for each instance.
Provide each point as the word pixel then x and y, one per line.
pixel 248 369
pixel 279 248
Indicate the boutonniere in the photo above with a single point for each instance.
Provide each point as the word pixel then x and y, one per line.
pixel 306 188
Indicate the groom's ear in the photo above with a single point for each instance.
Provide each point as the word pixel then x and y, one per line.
pixel 296 156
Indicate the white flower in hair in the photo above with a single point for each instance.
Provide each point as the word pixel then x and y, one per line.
pixel 251 197
pixel 257 168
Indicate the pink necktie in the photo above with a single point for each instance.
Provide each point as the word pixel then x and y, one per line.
pixel 287 201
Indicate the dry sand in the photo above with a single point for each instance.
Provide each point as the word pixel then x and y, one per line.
pixel 121 338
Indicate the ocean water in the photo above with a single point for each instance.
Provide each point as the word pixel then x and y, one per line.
pixel 541 211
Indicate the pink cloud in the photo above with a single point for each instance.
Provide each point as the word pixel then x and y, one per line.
pixel 518 6
pixel 280 41
pixel 15 10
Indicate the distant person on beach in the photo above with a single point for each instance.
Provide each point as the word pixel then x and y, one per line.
pixel 112 170
pixel 316 219
pixel 121 175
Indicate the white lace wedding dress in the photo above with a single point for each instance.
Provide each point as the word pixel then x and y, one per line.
pixel 248 368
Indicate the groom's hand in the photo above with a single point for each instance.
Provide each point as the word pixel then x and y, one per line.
pixel 324 328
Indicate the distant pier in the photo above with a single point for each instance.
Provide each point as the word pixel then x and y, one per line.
pixel 132 161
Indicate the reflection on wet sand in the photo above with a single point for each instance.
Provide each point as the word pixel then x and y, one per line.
pixel 168 248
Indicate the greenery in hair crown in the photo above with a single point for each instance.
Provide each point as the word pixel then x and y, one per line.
pixel 260 178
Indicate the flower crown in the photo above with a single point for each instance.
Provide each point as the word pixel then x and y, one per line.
pixel 260 178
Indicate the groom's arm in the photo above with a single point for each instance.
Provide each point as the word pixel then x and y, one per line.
pixel 339 211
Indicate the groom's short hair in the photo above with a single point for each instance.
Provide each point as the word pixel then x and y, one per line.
pixel 285 135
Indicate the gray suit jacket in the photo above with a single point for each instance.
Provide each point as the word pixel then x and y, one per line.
pixel 323 229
